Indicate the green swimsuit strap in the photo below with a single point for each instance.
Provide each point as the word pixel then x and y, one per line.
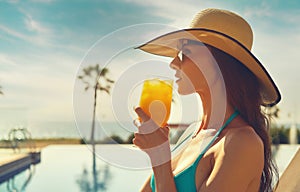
pixel 236 113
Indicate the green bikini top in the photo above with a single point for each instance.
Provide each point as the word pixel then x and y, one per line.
pixel 185 180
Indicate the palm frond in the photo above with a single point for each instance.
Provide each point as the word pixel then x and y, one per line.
pixel 91 76
pixel 109 80
pixel 104 89
pixel 103 72
pixel 86 71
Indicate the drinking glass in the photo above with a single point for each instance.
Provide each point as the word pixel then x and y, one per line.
pixel 156 99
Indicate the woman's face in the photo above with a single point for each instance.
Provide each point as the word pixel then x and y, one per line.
pixel 195 69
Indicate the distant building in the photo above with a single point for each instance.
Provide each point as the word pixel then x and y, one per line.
pixel 293 137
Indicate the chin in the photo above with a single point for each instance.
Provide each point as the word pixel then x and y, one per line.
pixel 185 88
pixel 185 91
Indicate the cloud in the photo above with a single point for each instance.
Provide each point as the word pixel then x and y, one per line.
pixel 39 36
pixel 33 25
pixel 169 10
pixel 262 10
pixel 13 32
pixel 6 60
pixel 32 39
pixel 39 88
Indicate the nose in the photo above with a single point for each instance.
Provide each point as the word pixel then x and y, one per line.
pixel 175 63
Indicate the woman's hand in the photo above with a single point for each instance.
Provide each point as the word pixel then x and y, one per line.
pixel 152 139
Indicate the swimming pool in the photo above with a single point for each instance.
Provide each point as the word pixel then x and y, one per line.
pixel 69 168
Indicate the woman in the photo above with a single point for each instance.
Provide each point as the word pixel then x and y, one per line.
pixel 237 156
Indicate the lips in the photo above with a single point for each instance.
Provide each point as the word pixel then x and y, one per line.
pixel 178 76
pixel 177 80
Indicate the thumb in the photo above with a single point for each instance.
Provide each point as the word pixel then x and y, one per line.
pixel 140 112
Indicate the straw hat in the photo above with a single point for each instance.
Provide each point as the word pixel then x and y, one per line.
pixel 226 31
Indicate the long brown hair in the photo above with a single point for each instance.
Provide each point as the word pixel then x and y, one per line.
pixel 243 92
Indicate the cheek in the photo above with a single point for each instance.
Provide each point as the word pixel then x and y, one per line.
pixel 192 80
pixel 207 70
pixel 185 87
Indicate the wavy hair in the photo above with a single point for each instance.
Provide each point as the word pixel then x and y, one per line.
pixel 243 92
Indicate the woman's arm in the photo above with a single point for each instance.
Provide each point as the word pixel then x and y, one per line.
pixel 146 187
pixel 164 179
pixel 155 142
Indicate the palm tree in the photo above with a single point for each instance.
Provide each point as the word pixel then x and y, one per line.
pixel 96 78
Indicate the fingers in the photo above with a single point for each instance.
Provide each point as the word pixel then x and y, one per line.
pixel 136 139
pixel 139 111
pixel 144 142
pixel 159 153
pixel 144 124
pixel 148 127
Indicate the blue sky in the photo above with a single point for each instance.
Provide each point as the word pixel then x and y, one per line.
pixel 43 43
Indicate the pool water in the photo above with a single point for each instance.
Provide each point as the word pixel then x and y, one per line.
pixel 69 168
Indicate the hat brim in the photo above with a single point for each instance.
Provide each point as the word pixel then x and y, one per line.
pixel 167 45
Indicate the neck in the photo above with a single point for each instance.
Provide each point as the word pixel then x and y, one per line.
pixel 216 109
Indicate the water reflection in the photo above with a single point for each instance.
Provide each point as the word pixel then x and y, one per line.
pixel 95 180
pixel 11 185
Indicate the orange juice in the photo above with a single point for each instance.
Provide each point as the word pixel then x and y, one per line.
pixel 156 99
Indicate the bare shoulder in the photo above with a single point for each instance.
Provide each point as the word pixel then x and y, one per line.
pixel 243 143
pixel 244 137
pixel 237 161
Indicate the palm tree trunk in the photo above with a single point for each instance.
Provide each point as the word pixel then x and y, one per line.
pixel 95 182
pixel 94 115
